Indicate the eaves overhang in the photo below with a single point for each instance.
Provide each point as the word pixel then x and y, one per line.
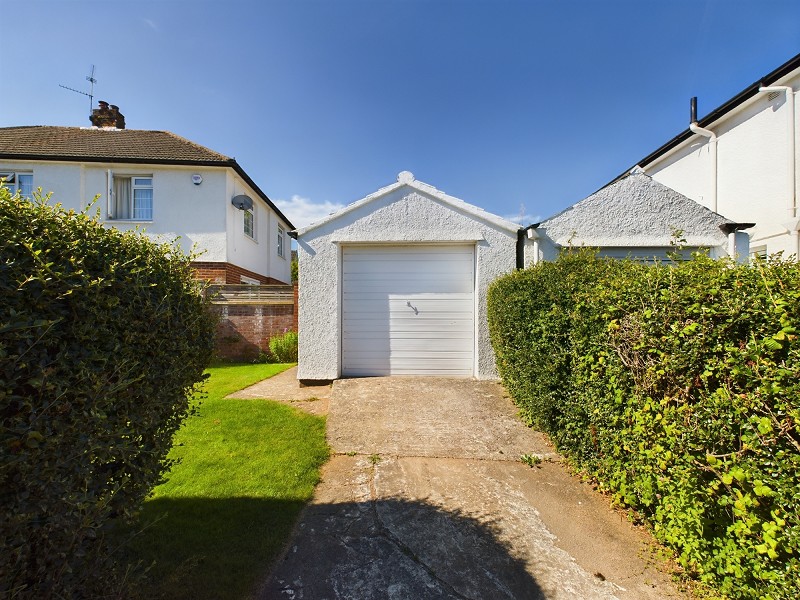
pixel 231 164
pixel 716 114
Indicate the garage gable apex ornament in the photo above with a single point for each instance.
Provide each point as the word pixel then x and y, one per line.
pixel 407 179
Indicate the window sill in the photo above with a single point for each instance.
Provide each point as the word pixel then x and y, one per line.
pixel 128 221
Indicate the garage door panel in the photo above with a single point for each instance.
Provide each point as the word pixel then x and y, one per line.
pixel 382 335
pixel 426 336
pixel 407 265
pixel 417 286
pixel 367 345
pixel 418 326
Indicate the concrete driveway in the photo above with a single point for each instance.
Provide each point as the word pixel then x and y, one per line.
pixel 426 497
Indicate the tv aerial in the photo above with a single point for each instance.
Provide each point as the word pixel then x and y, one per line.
pixel 90 78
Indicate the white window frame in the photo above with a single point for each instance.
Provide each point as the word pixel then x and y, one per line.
pixel 758 252
pixel 12 181
pixel 140 186
pixel 252 212
pixel 281 242
pixel 110 207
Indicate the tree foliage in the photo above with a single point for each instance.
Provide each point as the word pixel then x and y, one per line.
pixel 103 337
pixel 678 388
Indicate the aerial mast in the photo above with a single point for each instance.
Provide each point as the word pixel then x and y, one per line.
pixel 91 79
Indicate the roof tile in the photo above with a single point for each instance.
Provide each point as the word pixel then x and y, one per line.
pixel 103 144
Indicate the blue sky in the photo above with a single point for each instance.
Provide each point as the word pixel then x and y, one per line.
pixel 515 106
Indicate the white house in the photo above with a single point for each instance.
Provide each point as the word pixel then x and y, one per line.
pixel 742 160
pixel 396 282
pixel 157 180
pixel 637 217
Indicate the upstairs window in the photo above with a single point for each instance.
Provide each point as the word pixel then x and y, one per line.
pixel 131 198
pixel 249 223
pixel 19 182
pixel 281 233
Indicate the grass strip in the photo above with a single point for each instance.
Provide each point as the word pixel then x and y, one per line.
pixel 247 468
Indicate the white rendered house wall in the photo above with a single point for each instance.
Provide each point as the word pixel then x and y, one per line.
pixel 757 168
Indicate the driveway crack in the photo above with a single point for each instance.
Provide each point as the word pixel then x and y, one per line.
pixel 386 533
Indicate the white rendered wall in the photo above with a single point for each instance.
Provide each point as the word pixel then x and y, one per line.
pixel 754 168
pixel 202 216
pixel 406 216
pixel 258 254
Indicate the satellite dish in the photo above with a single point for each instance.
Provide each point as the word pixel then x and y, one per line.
pixel 242 202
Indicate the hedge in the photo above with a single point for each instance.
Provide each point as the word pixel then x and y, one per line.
pixel 677 387
pixel 103 337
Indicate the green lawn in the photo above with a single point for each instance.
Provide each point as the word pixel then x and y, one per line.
pixel 247 468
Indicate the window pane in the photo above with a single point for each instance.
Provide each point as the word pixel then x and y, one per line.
pixel 142 203
pixel 280 241
pixel 25 183
pixel 145 181
pixel 248 222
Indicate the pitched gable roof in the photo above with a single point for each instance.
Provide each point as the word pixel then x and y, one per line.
pixel 138 146
pixel 636 211
pixel 406 179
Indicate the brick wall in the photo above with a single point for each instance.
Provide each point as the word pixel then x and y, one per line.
pixel 225 272
pixel 244 330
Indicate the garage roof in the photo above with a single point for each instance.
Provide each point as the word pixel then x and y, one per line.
pixel 406 179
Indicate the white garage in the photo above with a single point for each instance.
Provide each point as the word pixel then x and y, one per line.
pixel 408 310
pixel 395 284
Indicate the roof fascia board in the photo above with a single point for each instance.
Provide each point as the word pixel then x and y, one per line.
pixel 784 71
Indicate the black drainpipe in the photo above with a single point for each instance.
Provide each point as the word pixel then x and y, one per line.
pixel 521 234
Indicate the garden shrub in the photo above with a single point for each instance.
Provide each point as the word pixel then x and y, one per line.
pixel 678 388
pixel 283 348
pixel 103 337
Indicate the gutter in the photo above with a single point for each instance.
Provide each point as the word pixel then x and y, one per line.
pixel 730 230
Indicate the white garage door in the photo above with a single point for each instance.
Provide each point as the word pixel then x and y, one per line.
pixel 408 310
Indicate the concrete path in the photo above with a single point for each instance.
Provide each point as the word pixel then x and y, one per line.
pixel 285 388
pixel 426 498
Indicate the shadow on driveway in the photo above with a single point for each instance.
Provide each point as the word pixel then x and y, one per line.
pixel 396 548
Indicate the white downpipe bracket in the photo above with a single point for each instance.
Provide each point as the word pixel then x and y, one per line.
pixel 712 140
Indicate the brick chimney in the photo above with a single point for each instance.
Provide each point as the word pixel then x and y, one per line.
pixel 107 116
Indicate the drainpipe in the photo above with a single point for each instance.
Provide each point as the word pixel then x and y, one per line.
pixel 520 248
pixel 534 235
pixel 712 140
pixel 794 223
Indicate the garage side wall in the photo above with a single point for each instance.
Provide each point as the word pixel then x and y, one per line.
pixel 405 215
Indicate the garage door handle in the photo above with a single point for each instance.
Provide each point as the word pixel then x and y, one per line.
pixel 416 312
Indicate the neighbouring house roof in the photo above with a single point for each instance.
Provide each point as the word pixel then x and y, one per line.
pixel 91 144
pixel 637 211
pixel 722 110
pixel 406 179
